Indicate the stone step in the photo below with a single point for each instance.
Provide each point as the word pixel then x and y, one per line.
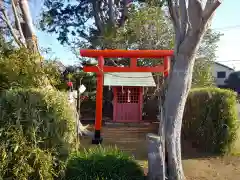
pixel 127 136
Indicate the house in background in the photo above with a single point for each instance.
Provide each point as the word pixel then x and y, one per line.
pixel 220 73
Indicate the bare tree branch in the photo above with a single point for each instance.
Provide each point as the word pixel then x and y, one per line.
pixel 124 12
pixel 19 28
pixel 210 8
pixel 27 18
pixel 110 12
pixel 174 13
pixel 102 14
pixel 173 10
pixel 28 27
pixel 184 18
pixel 96 11
pixel 195 10
pixel 5 18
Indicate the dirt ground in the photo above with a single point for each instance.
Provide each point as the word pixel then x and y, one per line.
pixel 200 167
pixel 226 168
pixel 197 166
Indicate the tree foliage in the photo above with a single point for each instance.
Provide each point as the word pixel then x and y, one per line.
pixel 6 47
pixel 209 45
pixel 140 30
pixel 87 79
pixel 144 31
pixel 18 68
pixel 75 18
pixel 202 74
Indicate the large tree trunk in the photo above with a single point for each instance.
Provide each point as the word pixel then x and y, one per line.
pixel 4 17
pixel 176 96
pixel 28 27
pixel 31 38
pixel 17 22
pixel 190 20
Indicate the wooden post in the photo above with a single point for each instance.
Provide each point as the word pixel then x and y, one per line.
pixel 140 103
pixel 114 104
pixel 99 99
pixel 166 64
pixel 133 62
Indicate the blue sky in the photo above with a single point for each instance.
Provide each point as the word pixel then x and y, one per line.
pixel 226 21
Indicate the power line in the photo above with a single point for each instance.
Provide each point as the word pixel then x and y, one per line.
pixel 228 27
pixel 153 75
pixel 230 60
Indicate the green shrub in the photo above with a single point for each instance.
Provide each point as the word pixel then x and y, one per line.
pixel 102 164
pixel 37 131
pixel 210 119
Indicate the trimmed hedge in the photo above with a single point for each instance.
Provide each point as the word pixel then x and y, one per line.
pixel 211 119
pixel 37 132
pixel 103 164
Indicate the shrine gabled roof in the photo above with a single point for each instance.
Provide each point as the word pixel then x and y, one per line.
pixel 129 79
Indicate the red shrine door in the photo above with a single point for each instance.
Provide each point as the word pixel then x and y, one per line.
pixel 127 104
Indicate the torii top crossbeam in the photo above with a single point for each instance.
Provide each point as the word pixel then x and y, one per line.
pixel 133 54
pixel 100 69
pixel 126 53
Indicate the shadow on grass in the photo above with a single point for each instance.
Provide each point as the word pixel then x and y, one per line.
pixel 191 152
pixel 138 149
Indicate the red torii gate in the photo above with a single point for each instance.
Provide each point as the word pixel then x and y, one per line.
pixel 100 69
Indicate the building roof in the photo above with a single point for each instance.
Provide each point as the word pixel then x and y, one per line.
pixel 220 64
pixel 224 66
pixel 129 79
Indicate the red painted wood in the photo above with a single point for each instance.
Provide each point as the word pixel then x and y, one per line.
pixel 127 111
pixel 114 104
pixel 123 69
pixel 117 53
pixel 140 102
pixel 133 63
pixel 166 64
pixel 99 95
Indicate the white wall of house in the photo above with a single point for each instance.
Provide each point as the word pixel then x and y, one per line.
pixel 220 73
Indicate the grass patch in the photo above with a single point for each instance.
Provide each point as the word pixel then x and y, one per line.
pixel 236 146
